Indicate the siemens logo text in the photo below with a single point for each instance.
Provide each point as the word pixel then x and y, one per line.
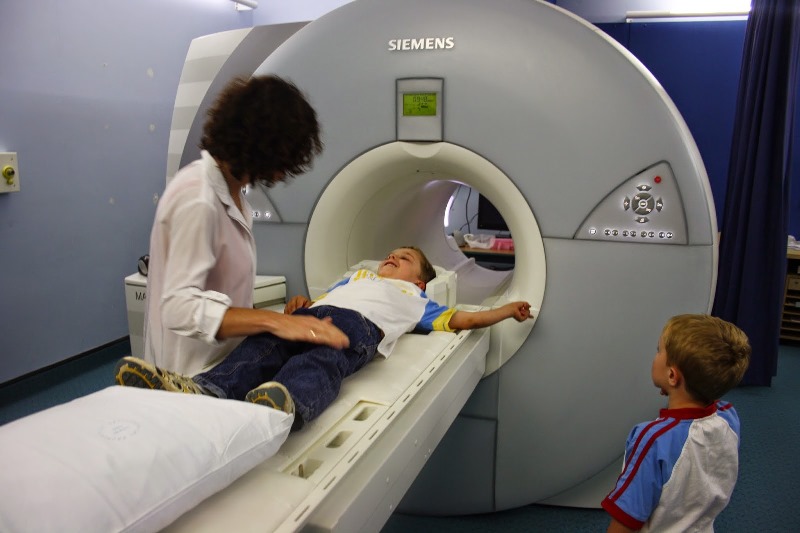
pixel 425 43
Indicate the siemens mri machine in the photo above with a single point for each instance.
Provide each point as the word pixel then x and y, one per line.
pixel 605 194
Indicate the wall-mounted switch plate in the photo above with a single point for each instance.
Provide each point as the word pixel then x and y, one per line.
pixel 9 172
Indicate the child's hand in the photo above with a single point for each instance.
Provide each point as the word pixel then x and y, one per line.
pixel 519 311
pixel 296 303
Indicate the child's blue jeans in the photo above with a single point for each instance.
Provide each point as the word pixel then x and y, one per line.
pixel 312 373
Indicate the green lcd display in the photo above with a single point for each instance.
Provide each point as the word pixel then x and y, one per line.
pixel 419 104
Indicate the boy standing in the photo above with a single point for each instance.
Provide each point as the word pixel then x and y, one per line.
pixel 680 469
pixel 373 310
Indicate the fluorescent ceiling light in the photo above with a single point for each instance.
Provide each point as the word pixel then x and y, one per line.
pixel 242 5
pixel 695 9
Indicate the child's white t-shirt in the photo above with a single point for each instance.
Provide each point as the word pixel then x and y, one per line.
pixel 395 306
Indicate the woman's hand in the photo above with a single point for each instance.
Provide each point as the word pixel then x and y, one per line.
pixel 306 328
pixel 241 322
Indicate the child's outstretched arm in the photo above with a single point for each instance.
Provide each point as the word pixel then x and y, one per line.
pixel 519 311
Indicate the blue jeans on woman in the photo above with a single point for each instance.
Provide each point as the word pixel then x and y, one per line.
pixel 312 373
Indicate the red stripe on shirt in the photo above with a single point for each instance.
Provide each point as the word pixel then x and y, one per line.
pixel 621 516
pixel 643 454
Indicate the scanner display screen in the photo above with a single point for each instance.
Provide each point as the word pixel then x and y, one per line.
pixel 419 104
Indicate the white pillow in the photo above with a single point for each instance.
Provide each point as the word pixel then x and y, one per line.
pixel 128 459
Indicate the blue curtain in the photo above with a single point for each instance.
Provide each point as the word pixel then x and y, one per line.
pixel 752 256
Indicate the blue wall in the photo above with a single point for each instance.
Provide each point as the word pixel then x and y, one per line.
pixel 86 97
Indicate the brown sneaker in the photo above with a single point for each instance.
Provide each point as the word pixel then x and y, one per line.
pixel 135 372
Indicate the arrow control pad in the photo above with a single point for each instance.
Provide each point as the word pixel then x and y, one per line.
pixel 645 208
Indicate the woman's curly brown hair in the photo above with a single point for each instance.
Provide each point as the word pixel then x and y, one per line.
pixel 262 126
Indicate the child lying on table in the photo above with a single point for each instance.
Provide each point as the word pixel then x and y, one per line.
pixel 373 310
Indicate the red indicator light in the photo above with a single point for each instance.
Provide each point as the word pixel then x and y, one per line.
pixel 657 179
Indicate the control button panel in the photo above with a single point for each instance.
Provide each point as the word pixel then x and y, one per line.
pixel 259 200
pixel 645 208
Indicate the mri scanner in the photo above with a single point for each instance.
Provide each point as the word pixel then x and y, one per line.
pixel 605 194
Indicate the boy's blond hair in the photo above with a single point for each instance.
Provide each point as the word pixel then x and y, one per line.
pixel 711 353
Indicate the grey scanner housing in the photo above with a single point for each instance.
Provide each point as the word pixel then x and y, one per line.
pixel 565 132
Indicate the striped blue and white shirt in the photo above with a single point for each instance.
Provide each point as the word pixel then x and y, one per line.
pixel 680 470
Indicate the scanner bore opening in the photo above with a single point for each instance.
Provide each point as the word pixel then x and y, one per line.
pixel 396 195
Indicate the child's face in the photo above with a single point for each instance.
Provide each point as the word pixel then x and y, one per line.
pixel 660 369
pixel 403 264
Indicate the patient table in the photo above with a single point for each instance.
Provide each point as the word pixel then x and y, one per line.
pixel 348 469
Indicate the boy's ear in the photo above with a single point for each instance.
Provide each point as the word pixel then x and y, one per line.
pixel 674 376
pixel 421 284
